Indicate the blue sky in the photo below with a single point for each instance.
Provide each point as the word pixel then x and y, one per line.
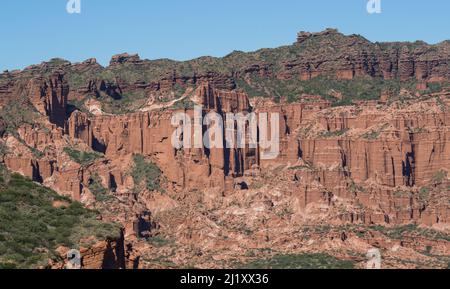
pixel 33 31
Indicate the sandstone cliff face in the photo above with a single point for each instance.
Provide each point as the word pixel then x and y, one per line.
pixel 150 133
pixel 108 254
pixel 339 146
pixel 402 149
pixel 50 97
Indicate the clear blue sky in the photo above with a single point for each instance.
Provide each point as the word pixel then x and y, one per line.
pixel 33 31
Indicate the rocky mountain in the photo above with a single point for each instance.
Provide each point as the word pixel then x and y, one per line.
pixel 364 153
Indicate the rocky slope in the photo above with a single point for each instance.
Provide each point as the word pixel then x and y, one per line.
pixel 364 153
pixel 37 223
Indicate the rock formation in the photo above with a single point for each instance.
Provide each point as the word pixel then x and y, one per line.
pixel 372 162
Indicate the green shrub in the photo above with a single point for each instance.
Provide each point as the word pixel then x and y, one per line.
pixel 304 261
pixel 300 168
pixel 183 104
pixel 374 134
pixel 329 134
pixel 145 174
pixel 81 157
pixel 359 88
pixel 399 232
pixel 159 241
pixel 424 193
pixel 18 113
pixel 400 194
pixel 355 188
pixel 3 149
pixel 96 187
pixel 439 177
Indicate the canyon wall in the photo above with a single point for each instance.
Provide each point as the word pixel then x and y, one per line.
pixel 407 151
pixel 396 149
pixel 383 148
